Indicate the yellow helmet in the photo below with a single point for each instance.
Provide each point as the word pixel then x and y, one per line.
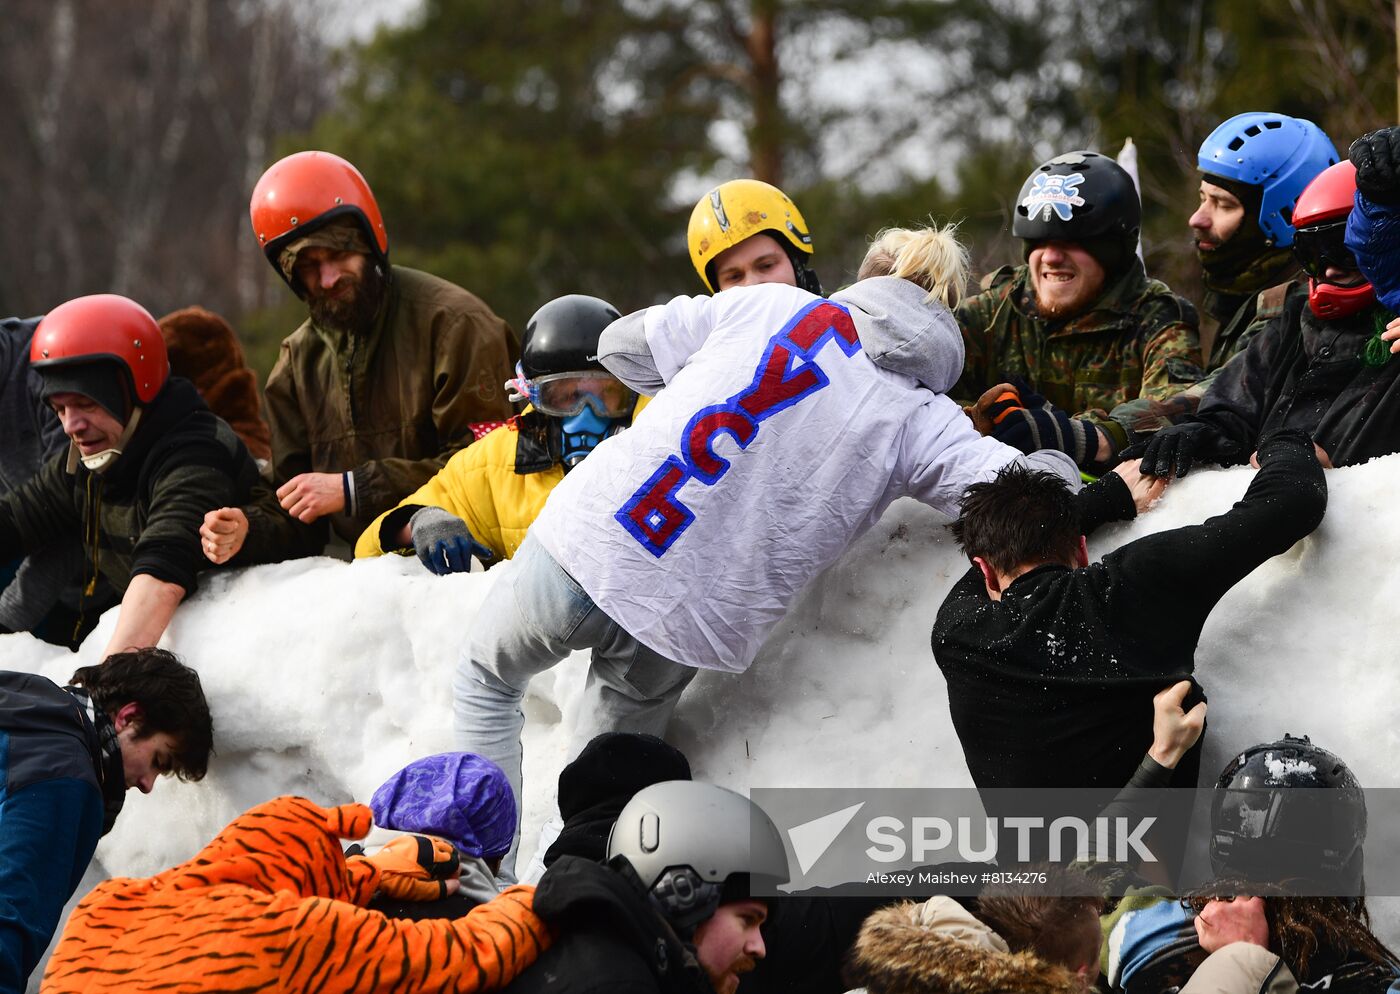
pixel 733 211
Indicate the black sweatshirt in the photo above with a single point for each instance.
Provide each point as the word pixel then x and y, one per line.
pixel 1052 686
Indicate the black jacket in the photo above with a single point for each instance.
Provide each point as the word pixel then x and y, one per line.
pixel 1302 372
pixel 1052 686
pixel 143 514
pixel 50 735
pixel 610 938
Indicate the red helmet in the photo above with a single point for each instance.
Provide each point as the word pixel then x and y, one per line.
pixel 302 192
pixel 1320 221
pixel 105 347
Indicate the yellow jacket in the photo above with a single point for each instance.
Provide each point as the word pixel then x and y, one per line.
pixel 479 484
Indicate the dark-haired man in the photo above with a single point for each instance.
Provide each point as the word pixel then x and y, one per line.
pixel 68 755
pixel 1051 662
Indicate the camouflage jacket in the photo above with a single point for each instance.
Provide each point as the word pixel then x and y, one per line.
pixel 1140 339
pixel 1145 415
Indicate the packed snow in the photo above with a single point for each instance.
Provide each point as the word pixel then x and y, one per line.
pixel 326 677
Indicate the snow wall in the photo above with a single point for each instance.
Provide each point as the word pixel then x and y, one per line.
pixel 326 677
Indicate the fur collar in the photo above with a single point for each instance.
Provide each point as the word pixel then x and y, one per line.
pixel 939 948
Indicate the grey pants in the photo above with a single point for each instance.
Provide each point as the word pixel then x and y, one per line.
pixel 529 622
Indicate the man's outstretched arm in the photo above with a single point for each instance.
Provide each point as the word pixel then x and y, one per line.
pixel 146 610
pixel 1191 568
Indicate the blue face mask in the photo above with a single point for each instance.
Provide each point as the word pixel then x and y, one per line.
pixel 581 434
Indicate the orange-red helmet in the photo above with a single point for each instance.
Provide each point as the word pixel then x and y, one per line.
pixel 305 190
pixel 105 347
pixel 1319 242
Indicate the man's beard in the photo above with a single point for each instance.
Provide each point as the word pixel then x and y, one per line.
pixel 1076 304
pixel 355 314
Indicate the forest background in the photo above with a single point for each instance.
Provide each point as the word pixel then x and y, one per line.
pixel 539 147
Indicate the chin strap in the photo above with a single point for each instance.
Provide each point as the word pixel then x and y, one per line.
pixel 100 462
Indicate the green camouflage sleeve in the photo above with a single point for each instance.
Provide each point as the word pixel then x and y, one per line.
pixel 1171 357
pixel 977 317
pixel 1171 371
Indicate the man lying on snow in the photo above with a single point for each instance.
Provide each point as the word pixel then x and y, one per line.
pixel 273 904
pixel 787 426
pixel 68 755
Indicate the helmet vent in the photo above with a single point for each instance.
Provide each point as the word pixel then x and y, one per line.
pixel 1252 130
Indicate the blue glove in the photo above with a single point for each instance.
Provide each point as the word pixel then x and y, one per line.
pixel 444 543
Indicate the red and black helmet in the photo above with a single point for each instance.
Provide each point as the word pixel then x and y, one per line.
pixel 1319 243
pixel 305 191
pixel 105 347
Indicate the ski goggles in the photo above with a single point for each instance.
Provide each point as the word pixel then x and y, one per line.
pixel 563 395
pixel 1322 246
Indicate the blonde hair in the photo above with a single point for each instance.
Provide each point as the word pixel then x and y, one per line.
pixel 932 257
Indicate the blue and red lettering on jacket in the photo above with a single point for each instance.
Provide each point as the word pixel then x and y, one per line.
pixel 786 375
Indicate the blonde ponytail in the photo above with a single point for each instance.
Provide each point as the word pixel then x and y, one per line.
pixel 932 257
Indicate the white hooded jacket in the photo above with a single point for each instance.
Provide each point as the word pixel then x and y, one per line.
pixel 777 441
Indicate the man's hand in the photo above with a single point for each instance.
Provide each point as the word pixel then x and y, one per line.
pixel 417 868
pixel 444 543
pixel 1391 334
pixel 1174 450
pixel 222 534
pixel 308 496
pixel 1227 920
pixel 1145 489
pixel 1175 731
pixel 993 407
pixel 1318 451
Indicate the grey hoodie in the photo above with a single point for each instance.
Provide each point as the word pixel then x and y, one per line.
pixel 902 331
pixel 898 330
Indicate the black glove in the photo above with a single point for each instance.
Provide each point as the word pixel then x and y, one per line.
pixel 1042 425
pixel 444 543
pixel 1377 160
pixel 1172 451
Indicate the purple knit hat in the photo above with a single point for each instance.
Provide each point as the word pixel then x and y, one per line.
pixel 458 796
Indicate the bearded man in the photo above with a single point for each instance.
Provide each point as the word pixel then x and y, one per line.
pixel 394 370
pixel 1079 328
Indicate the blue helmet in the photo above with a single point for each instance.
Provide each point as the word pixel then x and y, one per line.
pixel 1279 153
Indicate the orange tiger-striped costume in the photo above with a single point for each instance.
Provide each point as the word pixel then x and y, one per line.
pixel 273 904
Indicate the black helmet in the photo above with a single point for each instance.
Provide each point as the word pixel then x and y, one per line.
pixel 1271 820
pixel 562 336
pixel 1075 197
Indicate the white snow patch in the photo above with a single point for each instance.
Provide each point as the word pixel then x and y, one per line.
pixel 1280 768
pixel 326 677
